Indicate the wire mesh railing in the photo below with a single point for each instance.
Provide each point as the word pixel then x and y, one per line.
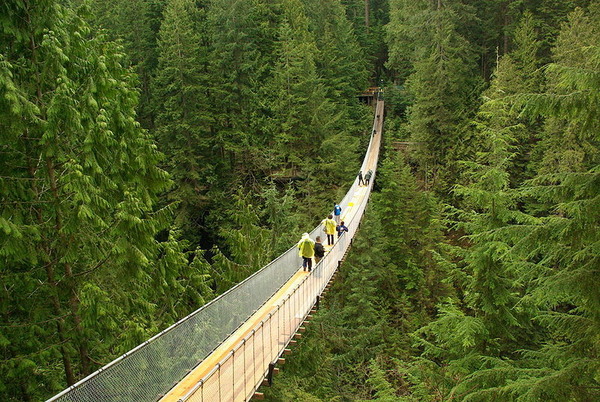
pixel 151 369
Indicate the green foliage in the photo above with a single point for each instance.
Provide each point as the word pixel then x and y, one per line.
pixel 298 92
pixel 80 258
pixel 183 121
pixel 340 57
pixel 411 221
pixel 283 223
pixel 136 24
pixel 438 65
pixel 368 18
pixel 249 243
pixel 384 391
pixel 489 204
pixel 242 36
pixel 530 309
pixel 252 106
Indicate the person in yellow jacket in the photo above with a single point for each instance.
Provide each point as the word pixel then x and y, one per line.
pixel 306 250
pixel 329 228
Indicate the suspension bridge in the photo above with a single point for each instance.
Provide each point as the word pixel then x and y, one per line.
pixel 228 348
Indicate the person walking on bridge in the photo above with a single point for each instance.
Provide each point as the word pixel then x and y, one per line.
pixel 319 250
pixel 329 228
pixel 360 178
pixel 341 228
pixel 368 177
pixel 306 250
pixel 337 212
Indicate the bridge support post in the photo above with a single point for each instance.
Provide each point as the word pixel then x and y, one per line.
pixel 318 302
pixel 270 373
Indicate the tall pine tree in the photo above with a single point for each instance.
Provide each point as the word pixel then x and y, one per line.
pixel 79 257
pixel 184 121
pixel 442 80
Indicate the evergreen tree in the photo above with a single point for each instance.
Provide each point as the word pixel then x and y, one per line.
pixel 301 111
pixel 340 58
pixel 283 223
pixel 247 245
pixel 305 128
pixel 526 78
pixel 489 204
pixel 184 120
pixel 490 327
pixel 368 18
pixel 243 36
pixel 339 63
pixel 79 184
pixel 441 83
pixel 136 24
pixel 552 253
pixel 559 250
pixel 412 230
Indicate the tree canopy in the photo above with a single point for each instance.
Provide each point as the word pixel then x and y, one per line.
pixel 153 153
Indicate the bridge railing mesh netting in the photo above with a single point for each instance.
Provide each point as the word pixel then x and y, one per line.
pixel 150 370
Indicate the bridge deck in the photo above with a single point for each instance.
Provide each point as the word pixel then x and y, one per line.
pixel 220 353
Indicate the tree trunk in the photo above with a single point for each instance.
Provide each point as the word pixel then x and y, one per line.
pixel 367 12
pixel 69 280
pixel 55 299
pixel 507 21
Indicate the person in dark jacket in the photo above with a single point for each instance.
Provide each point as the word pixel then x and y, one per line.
pixel 341 228
pixel 360 178
pixel 319 250
pixel 368 177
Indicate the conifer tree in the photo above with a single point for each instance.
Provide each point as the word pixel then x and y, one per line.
pixel 247 245
pixel 283 223
pixel 490 327
pixel 489 204
pixel 136 24
pixel 243 36
pixel 340 59
pixel 79 185
pixel 413 233
pixel 301 110
pixel 526 78
pixel 339 63
pixel 551 252
pixel 183 118
pixel 559 250
pixel 442 79
pixel 305 130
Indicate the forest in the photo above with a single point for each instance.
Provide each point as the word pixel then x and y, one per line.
pixel 153 153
